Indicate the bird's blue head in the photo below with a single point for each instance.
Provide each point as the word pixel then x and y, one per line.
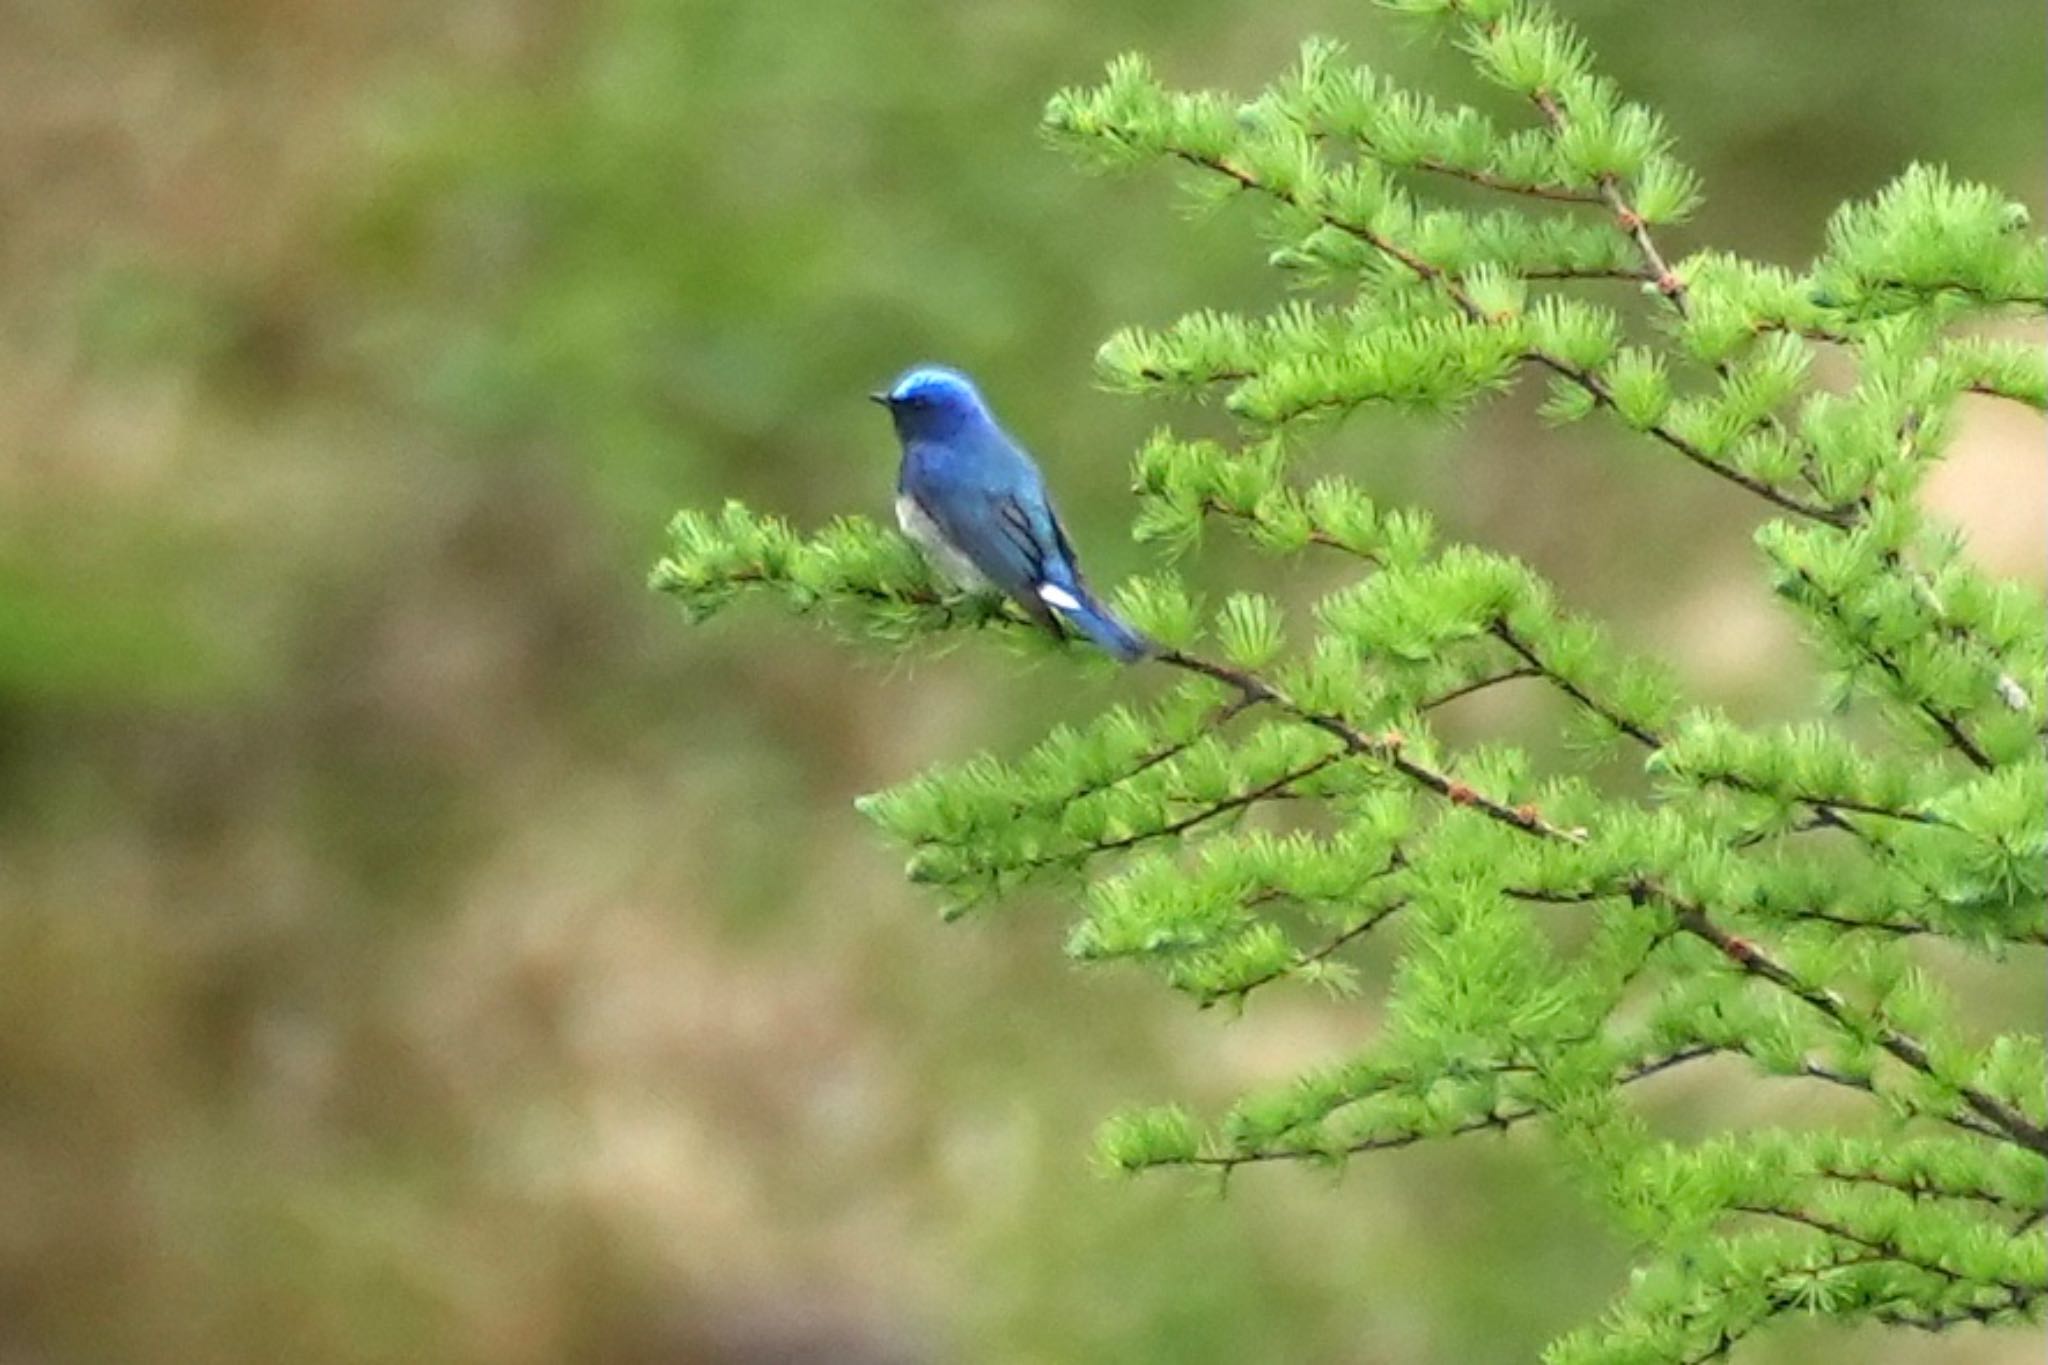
pixel 933 401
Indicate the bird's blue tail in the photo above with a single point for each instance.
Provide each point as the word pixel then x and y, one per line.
pixel 1105 628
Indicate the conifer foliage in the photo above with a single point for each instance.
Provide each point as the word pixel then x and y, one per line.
pixel 1779 896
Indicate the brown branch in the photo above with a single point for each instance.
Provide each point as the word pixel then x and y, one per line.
pixel 1983 1314
pixel 1268 790
pixel 1667 281
pixel 1828 810
pixel 1328 949
pixel 1883 1246
pixel 1642 734
pixel 1905 927
pixel 1951 726
pixel 2007 1120
pixel 1500 1119
pixel 1566 274
pixel 1691 916
pixel 1815 1071
pixel 1673 288
pixel 1316 536
pixel 1789 1294
pixel 1383 748
pixel 1918 1189
pixel 1585 378
pixel 1835 802
pixel 1477 685
pixel 1277 789
pixel 1484 179
pixel 1984 296
pixel 1562 194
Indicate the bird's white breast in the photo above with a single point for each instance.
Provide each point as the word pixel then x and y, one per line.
pixel 921 528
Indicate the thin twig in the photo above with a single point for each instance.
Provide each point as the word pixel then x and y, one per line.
pixel 1501 1120
pixel 1951 726
pixel 1691 916
pixel 1454 289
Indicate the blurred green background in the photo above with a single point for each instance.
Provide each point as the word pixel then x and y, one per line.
pixel 419 946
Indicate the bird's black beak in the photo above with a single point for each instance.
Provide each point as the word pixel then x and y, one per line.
pixel 881 398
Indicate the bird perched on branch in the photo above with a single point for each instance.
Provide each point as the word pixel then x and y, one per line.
pixel 976 505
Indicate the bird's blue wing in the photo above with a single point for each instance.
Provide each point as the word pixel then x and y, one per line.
pixel 1024 527
pixel 1058 584
pixel 991 507
pixel 993 531
pixel 980 498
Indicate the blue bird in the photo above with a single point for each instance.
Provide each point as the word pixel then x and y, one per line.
pixel 976 505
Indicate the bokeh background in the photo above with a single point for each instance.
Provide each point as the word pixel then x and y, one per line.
pixel 419 946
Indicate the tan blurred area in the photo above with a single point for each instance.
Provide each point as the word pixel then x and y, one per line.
pixel 420 946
